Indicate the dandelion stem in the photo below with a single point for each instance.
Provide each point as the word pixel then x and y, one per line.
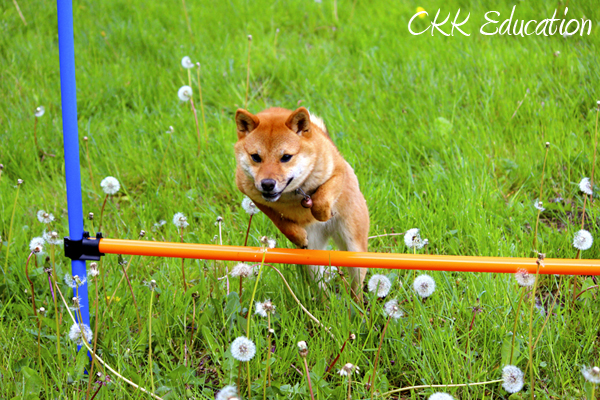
pixel 187 20
pixel 248 71
pixel 312 396
pixel 137 313
pixel 85 343
pixel 330 367
pixel 197 126
pixel 248 230
pixel 404 389
pixel 164 156
pixel 531 377
pixel 150 338
pixel 87 156
pixel 546 319
pixel 512 345
pixel 37 147
pixel 96 324
pixel 102 213
pixel 202 107
pixel 20 14
pixel 12 217
pixel 30 283
pixel 540 197
pixel 254 293
pixel 300 304
pixel 58 355
pixel 377 356
pixel 182 260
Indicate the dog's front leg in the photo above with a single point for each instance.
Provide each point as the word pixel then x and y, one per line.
pixel 294 232
pixel 325 196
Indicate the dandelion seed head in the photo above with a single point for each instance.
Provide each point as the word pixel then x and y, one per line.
pixel 19 181
pixel 538 205
pixel 380 284
pixel 524 278
pixel 110 185
pixel 77 336
pixel 249 206
pixel 591 374
pixel 586 186
pixel 91 216
pixel 513 379
pixel 159 225
pixel 74 281
pixel 583 240
pixel 229 392
pixel 268 243
pixel 250 37
pixel 52 237
pixel 94 271
pixel 242 269
pixel 185 93
pixel 264 308
pixel 180 220
pixel 392 309
pixel 424 285
pixel 37 245
pixel 40 111
pixel 187 63
pixel 440 396
pixel 348 369
pixel 44 217
pixel 243 349
pixel 412 238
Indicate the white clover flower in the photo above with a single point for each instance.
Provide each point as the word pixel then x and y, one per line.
pixel 44 217
pixel 187 63
pixel 412 238
pixel 348 369
pixel 440 396
pixel 180 220
pixel 586 186
pixel 185 93
pixel 78 337
pixel 424 285
pixel 392 309
pixel 513 379
pixel 37 245
pixel 40 111
pixel 264 308
pixel 583 240
pixel 249 206
pixel 110 185
pixel 591 374
pixel 243 349
pixel 229 392
pixel 538 205
pixel 524 278
pixel 74 281
pixel 52 238
pixel 242 269
pixel 380 284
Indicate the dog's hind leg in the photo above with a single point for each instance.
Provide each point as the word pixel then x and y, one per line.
pixel 349 239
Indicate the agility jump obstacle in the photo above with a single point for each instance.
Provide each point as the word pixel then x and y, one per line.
pixel 81 248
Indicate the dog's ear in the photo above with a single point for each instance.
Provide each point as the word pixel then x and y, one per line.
pixel 299 121
pixel 245 122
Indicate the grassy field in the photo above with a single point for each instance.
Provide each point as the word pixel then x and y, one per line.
pixel 446 134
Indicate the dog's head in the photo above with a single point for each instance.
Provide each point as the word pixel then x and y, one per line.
pixel 274 150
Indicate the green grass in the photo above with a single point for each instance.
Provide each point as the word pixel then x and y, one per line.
pixel 425 121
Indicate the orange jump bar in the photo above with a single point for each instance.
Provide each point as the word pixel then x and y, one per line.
pixel 349 258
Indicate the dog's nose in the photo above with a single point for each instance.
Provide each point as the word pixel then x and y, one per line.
pixel 268 184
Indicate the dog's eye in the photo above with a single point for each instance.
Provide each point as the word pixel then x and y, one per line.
pixel 286 158
pixel 255 157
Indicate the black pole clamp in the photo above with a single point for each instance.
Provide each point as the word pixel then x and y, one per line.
pixel 85 249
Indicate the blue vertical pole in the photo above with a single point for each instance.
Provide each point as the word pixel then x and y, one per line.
pixel 66 51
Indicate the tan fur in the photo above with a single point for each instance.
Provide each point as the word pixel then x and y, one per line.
pixel 339 209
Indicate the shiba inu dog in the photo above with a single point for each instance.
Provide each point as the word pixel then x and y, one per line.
pixel 281 153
